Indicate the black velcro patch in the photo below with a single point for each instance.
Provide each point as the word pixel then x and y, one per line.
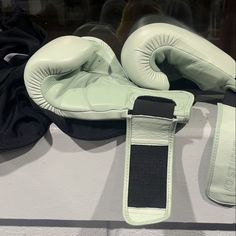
pixel 147 178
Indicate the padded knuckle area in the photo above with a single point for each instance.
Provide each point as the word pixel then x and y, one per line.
pixel 58 84
pixel 193 56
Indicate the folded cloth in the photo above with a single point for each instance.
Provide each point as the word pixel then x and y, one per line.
pixel 21 122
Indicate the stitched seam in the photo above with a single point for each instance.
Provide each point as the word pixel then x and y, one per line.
pixel 215 149
pixel 193 56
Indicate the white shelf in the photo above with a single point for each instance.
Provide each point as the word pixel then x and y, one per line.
pixel 65 179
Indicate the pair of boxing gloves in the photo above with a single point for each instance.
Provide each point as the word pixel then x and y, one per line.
pixel 80 81
pixel 56 73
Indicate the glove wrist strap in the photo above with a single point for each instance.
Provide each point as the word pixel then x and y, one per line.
pixel 148 165
pixel 221 181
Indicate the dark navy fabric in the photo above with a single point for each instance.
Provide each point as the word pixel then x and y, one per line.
pixel 21 122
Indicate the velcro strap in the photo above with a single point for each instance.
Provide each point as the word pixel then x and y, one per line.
pixel 148 164
pixel 221 181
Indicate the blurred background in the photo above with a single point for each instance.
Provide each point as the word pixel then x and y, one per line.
pixel 213 19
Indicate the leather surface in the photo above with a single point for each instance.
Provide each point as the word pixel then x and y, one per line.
pixel 87 82
pixel 221 182
pixel 195 58
pixel 156 132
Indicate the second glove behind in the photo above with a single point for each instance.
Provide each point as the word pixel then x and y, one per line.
pixel 193 56
pixel 209 68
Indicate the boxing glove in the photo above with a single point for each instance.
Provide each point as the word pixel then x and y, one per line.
pixel 58 83
pixel 80 78
pixel 199 61
pixel 194 57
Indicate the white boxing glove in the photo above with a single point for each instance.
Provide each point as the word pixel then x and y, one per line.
pixel 193 56
pixel 81 78
pixel 208 67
